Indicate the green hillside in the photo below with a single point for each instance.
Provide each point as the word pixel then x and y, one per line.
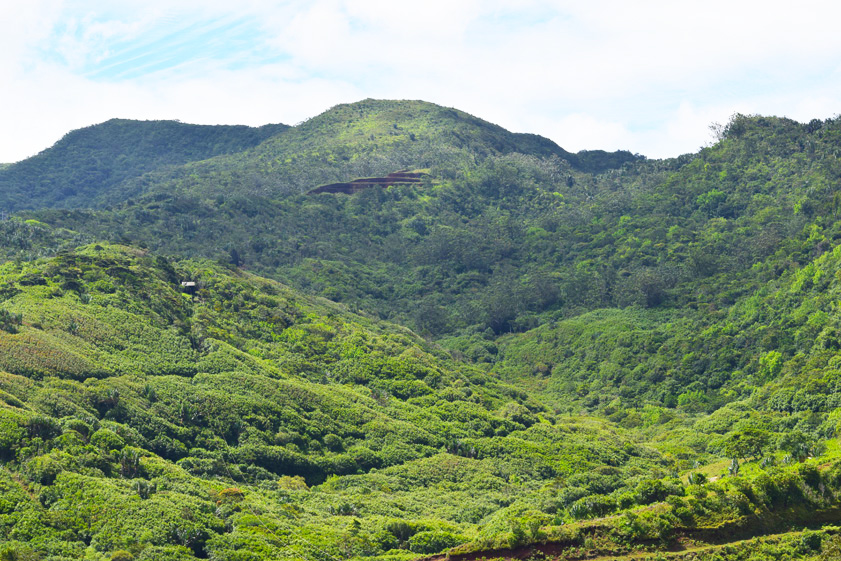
pixel 117 386
pixel 82 167
pixel 529 353
pixel 119 159
pixel 370 137
pixel 510 240
pixel 249 420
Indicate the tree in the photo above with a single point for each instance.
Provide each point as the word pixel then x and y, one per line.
pixel 9 321
pixel 236 260
pixel 746 442
pixel 796 443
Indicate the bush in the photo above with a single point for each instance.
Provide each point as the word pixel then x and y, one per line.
pixel 18 552
pixel 44 469
pixel 231 494
pixel 592 506
pixel 107 440
pixel 9 321
pixel 697 478
pixel 434 541
pixel 42 427
pixel 654 490
pixel 11 432
pixel 77 425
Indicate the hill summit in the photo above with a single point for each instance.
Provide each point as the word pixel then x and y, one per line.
pixel 108 163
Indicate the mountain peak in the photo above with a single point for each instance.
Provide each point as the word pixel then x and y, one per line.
pixel 121 158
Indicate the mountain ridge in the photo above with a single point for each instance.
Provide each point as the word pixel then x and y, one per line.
pixel 85 162
pixel 101 152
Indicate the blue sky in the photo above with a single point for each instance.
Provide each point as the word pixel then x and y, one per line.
pixel 162 48
pixel 647 76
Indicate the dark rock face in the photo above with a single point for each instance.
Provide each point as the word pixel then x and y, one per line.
pixel 349 188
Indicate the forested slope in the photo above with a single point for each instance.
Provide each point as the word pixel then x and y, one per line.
pixel 247 421
pixel 617 356
pixel 131 411
pixel 507 241
pixel 83 167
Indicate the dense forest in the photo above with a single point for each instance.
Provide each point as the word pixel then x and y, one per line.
pixel 526 353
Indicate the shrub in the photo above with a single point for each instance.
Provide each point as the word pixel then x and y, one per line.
pixel 292 482
pixel 433 541
pixel 42 427
pixel 332 442
pixel 77 425
pixel 697 478
pixel 655 490
pixel 231 494
pixel 592 506
pixel 18 552
pixel 107 440
pixel 11 432
pixel 44 469
pixel 810 543
pixel 9 321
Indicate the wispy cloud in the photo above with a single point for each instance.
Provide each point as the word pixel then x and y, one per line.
pixel 117 51
pixel 646 76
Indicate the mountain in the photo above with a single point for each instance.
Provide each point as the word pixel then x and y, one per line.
pixel 491 240
pixel 522 352
pixel 108 163
pixel 251 203
pixel 81 167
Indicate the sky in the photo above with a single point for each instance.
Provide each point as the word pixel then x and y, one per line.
pixel 646 76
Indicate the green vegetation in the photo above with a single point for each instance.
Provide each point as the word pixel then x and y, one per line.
pixel 501 239
pixel 84 166
pixel 534 353
pixel 335 426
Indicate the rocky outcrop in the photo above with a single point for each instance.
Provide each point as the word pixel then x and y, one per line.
pixel 351 187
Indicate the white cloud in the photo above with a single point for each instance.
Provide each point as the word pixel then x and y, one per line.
pixel 583 132
pixel 646 76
